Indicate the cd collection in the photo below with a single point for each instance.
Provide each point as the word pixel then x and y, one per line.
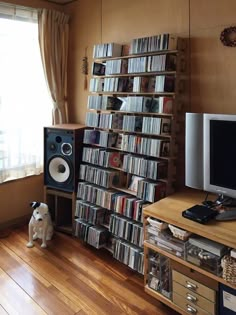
pixel 138 46
pixel 129 163
pixel 98 176
pixel 152 84
pixel 91 213
pixel 116 66
pixel 113 200
pixel 102 157
pixel 164 83
pixel 166 62
pixel 129 206
pixel 144 167
pixel 97 236
pixel 98 68
pixel 95 194
pixel 131 123
pixel 161 104
pixel 129 255
pixel 153 43
pixel 129 143
pixel 107 50
pixel 115 186
pixel 100 137
pixel 151 191
pixel 127 229
pixel 138 64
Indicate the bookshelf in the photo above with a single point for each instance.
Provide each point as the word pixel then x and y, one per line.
pixel 135 106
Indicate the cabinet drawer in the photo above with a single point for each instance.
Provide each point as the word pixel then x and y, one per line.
pixel 193 274
pixel 194 298
pixel 188 307
pixel 194 286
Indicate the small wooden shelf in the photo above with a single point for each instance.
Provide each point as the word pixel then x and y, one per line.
pixel 62 207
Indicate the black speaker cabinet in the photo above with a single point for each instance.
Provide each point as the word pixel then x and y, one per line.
pixel 62 156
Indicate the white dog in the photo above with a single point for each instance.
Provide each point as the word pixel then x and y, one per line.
pixel 40 225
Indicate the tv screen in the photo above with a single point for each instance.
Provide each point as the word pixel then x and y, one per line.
pixel 220 154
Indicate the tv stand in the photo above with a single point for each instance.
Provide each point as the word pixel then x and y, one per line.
pixel 174 269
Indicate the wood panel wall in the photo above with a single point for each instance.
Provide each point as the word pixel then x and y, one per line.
pixel 213 65
pixel 96 21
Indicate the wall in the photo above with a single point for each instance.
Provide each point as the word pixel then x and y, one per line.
pixel 95 21
pixel 213 65
pixel 16 195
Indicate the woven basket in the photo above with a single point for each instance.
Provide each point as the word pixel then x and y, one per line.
pixel 228 264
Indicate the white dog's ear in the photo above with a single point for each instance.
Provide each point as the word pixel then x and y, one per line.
pixel 35 204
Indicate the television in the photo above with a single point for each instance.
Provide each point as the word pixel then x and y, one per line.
pixel 210 153
pixel 219 154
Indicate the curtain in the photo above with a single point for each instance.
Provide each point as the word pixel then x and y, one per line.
pixel 53 41
pixel 25 104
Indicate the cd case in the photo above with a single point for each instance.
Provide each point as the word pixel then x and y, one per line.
pixel 199 213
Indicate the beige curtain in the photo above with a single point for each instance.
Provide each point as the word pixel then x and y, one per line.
pixel 53 41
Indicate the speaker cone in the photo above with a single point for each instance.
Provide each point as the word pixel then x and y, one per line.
pixel 66 148
pixel 59 170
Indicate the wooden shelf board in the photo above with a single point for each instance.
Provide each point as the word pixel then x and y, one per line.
pixel 159 136
pixel 112 93
pixel 154 53
pixel 137 74
pixel 64 228
pixel 222 232
pixel 130 112
pixel 59 193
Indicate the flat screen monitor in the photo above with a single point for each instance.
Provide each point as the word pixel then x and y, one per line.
pixel 219 154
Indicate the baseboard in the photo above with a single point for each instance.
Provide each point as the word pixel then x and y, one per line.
pixel 15 222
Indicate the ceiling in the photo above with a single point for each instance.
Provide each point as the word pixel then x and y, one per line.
pixel 61 1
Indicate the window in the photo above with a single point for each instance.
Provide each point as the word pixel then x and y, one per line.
pixel 25 103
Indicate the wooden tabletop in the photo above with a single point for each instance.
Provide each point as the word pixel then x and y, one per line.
pixel 170 210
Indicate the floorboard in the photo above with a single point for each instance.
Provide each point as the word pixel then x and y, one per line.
pixel 68 277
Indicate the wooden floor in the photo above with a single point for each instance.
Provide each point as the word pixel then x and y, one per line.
pixel 68 278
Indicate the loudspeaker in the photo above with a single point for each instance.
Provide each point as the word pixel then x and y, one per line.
pixel 62 156
pixel 194 150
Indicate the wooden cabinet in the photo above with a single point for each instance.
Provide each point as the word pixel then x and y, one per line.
pixel 129 157
pixel 61 205
pixel 193 290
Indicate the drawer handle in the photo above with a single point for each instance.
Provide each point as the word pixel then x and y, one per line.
pixel 191 298
pixel 191 309
pixel 191 286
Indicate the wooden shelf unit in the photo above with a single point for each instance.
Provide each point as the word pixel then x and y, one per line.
pixel 174 117
pixel 62 207
pixel 169 210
